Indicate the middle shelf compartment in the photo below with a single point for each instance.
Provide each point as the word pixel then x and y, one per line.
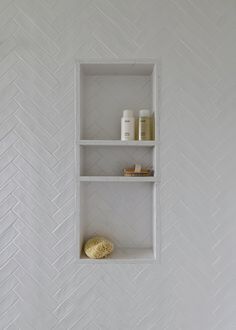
pixel 106 161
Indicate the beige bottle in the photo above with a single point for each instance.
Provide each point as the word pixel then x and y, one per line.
pixel 145 125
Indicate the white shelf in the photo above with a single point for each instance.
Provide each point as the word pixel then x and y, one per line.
pixel 117 179
pixel 130 255
pixel 105 207
pixel 117 143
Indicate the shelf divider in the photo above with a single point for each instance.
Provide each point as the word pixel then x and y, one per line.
pixel 117 143
pixel 118 179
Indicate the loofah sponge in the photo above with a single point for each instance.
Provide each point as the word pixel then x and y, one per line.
pixel 98 247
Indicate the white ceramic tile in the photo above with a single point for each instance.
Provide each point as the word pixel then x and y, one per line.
pixel 44 288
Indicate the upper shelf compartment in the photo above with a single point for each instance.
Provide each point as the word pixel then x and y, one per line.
pixel 106 89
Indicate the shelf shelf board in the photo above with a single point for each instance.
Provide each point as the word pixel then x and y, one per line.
pixel 117 179
pixel 117 143
pixel 122 255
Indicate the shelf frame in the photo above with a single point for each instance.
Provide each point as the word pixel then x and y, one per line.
pixel 122 64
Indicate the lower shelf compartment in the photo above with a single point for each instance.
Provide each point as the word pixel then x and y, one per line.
pixel 124 214
pixel 122 255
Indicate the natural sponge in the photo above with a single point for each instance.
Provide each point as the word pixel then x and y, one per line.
pixel 98 247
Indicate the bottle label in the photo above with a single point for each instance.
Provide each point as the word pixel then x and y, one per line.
pixel 144 128
pixel 127 129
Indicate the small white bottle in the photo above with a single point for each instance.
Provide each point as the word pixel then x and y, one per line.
pixel 127 126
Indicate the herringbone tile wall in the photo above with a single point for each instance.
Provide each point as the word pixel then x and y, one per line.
pixel 41 286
